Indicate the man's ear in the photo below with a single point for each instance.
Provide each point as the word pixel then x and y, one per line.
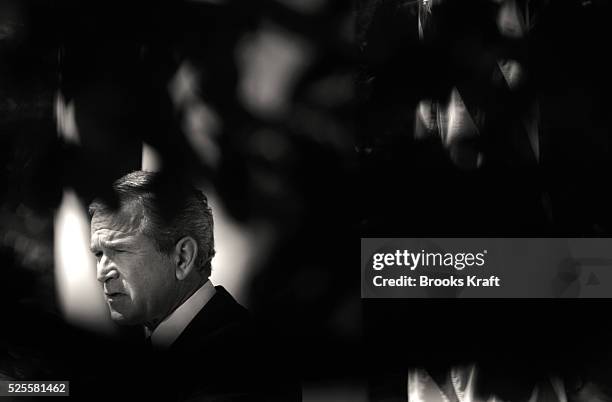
pixel 186 252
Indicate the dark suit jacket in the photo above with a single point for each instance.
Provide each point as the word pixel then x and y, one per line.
pixel 217 358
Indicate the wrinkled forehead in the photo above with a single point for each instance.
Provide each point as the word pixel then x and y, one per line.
pixel 129 219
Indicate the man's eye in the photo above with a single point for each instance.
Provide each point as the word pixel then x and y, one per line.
pixel 98 254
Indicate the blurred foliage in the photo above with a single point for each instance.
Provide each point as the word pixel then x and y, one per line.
pixel 567 73
pixel 255 99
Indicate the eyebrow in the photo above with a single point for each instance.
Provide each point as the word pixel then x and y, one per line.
pixel 108 244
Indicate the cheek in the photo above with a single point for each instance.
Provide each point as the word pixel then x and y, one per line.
pixel 147 278
pixel 131 271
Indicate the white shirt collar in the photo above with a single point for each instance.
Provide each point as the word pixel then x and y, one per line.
pixel 172 326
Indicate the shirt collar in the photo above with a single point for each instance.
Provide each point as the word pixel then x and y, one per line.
pixel 172 326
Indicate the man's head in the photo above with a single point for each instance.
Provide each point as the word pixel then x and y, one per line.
pixel 153 250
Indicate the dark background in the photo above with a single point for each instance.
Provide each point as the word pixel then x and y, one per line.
pixel 412 188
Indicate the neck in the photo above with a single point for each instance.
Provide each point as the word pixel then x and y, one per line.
pixel 184 292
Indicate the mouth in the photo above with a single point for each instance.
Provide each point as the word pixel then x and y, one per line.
pixel 113 295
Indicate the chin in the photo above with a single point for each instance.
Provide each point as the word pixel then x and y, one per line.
pixel 123 319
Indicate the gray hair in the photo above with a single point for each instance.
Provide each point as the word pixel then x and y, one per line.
pixel 172 210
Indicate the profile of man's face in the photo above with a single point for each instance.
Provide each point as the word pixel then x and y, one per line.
pixel 137 279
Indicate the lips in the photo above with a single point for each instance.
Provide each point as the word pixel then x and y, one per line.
pixel 113 294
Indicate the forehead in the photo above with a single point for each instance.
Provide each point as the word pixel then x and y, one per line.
pixel 126 221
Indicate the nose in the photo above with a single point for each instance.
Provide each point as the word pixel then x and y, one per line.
pixel 106 270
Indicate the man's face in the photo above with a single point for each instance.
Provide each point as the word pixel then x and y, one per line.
pixel 138 280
